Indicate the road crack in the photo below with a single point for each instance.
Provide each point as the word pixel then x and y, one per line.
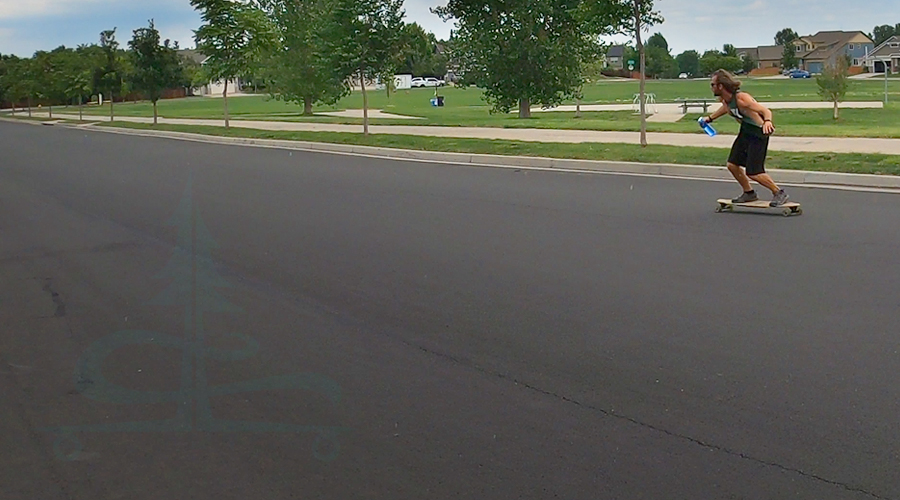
pixel 626 418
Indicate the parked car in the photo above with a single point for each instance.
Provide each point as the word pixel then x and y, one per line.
pixel 427 82
pixel 683 76
pixel 799 73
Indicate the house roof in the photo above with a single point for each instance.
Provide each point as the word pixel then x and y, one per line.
pixel 822 52
pixel 616 51
pixel 828 43
pixel 885 48
pixel 770 52
pixel 753 52
pixel 192 54
pixel 829 37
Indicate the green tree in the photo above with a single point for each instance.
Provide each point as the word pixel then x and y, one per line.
pixel 658 40
pixel 92 56
pixel 4 86
pixel 728 50
pixel 298 68
pixel 156 66
pixel 50 76
pixel 78 84
pixel 785 36
pixel 420 55
pixel 364 41
pixel 710 62
pixel 789 57
pixel 24 76
pixel 749 63
pixel 74 76
pixel 234 36
pixel 660 63
pixel 108 75
pixel 833 83
pixel 688 62
pixel 881 33
pixel 525 52
pixel 642 17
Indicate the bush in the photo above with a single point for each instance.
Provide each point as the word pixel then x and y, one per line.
pixel 612 72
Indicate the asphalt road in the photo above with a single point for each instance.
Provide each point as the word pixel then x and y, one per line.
pixel 399 330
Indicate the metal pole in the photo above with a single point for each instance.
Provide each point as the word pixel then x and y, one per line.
pixel 885 83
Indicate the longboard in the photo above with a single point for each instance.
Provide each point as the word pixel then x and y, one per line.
pixel 788 209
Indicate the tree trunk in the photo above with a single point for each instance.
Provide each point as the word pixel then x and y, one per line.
pixel 112 111
pixel 578 108
pixel 362 85
pixel 524 108
pixel 155 115
pixel 307 106
pixel 80 109
pixel 835 110
pixel 29 106
pixel 225 97
pixel 51 111
pixel 640 45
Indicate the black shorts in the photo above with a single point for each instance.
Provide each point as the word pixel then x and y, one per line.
pixel 749 151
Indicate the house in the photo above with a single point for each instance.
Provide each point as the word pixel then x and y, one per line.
pixel 816 51
pixel 211 88
pixel 615 57
pixel 885 56
pixel 769 56
pixel 749 52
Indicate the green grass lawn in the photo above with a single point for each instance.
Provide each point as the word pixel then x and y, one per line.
pixel 465 107
pixel 831 162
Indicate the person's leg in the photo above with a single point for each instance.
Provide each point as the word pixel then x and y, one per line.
pixel 765 180
pixel 756 169
pixel 736 159
pixel 740 176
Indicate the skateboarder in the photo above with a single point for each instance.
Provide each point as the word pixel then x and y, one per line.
pixel 752 143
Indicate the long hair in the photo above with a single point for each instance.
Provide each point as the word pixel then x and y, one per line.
pixel 728 81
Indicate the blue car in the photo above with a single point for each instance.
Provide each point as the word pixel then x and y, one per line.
pixel 799 73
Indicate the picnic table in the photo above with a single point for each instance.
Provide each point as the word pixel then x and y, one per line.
pixel 705 103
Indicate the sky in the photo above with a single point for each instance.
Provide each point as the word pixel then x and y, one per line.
pixel 30 25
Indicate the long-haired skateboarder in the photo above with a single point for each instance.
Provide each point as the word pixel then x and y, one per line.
pixel 752 143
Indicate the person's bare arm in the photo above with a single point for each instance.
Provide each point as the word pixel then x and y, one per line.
pixel 722 111
pixel 748 102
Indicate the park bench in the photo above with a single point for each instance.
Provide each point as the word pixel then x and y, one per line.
pixel 695 103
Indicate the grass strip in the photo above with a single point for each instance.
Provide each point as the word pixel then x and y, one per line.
pixel 824 162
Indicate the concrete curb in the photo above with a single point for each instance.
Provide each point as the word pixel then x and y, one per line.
pixel 787 177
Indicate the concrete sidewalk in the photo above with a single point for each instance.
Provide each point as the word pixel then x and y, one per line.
pixel 777 143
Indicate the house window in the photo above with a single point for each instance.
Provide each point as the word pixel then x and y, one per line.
pixel 856 62
pixel 851 46
pixel 895 45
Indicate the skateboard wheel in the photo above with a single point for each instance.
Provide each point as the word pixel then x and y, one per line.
pixel 799 211
pixel 719 209
pixel 786 212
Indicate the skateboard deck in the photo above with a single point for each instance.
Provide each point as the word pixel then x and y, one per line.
pixel 788 209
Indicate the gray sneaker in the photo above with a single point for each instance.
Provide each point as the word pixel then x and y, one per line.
pixel 746 197
pixel 779 199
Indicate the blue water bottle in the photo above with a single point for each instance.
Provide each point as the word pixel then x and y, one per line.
pixel 710 131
